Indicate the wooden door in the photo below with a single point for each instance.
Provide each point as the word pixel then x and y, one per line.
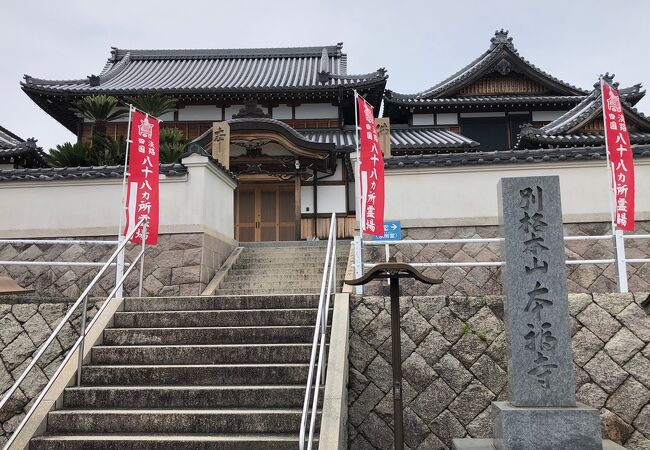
pixel 265 213
pixel 246 215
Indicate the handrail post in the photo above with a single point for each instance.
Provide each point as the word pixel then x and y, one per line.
pixel 82 334
pixel 621 267
pixel 358 261
pixel 144 244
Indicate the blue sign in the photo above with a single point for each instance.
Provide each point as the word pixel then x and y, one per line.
pixel 392 232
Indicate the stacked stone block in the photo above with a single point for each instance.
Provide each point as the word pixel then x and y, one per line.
pixel 487 280
pixel 453 352
pixel 181 264
pixel 24 326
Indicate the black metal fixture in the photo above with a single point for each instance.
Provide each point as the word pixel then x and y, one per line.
pixel 394 271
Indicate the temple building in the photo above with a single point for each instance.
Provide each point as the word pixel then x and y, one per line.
pixel 281 120
pixel 18 153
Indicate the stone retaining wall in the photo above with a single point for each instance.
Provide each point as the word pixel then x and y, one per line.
pixel 24 325
pixel 487 280
pixel 453 351
pixel 181 264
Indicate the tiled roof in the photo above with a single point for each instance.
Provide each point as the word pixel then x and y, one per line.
pixel 565 129
pixel 72 173
pixel 8 139
pixel 26 152
pixel 501 46
pixel 631 94
pixel 401 138
pixel 506 157
pixel 204 71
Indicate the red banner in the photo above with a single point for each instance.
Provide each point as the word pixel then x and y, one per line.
pixel 371 173
pixel 142 184
pixel 620 157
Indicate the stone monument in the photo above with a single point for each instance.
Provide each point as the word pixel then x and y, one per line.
pixel 542 412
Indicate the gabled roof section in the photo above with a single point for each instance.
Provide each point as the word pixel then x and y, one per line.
pixel 9 139
pixel 575 127
pixel 130 72
pixel 19 152
pixel 502 58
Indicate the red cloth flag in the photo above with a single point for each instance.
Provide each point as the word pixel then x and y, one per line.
pixel 371 172
pixel 142 185
pixel 620 157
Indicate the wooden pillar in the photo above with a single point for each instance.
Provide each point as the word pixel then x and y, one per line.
pixel 221 143
pixel 297 205
pixel 383 130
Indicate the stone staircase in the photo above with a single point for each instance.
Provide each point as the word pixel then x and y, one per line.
pixel 213 372
pixel 287 268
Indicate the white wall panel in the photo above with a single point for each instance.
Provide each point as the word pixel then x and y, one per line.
pixel 330 199
pixel 546 116
pixel 232 110
pixel 447 119
pixel 200 112
pixel 422 119
pixel 282 112
pixel 317 111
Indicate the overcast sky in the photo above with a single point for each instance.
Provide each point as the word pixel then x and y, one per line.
pixel 419 42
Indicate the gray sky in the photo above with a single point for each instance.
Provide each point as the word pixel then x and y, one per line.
pixel 419 42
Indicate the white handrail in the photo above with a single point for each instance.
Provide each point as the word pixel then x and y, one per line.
pixel 317 366
pixel 82 298
pixel 622 280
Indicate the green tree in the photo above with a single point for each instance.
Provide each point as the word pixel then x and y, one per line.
pixel 154 104
pixel 99 109
pixel 172 145
pixel 70 155
pixel 107 151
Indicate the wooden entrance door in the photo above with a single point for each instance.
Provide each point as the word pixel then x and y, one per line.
pixel 265 213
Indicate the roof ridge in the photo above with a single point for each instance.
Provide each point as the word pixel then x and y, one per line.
pixel 499 42
pixel 262 52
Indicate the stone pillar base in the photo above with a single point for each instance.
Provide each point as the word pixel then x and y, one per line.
pixel 577 428
pixel 486 444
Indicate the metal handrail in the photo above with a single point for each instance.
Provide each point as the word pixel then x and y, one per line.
pixel 82 298
pixel 317 367
pixel 360 264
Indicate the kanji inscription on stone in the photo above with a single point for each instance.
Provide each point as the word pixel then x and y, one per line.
pixel 540 362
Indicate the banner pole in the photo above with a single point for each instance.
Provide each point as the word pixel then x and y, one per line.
pixel 617 235
pixel 358 260
pixel 119 268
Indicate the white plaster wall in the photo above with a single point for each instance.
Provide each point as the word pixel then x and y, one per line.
pixel 468 195
pixel 447 119
pixel 200 112
pixel 200 201
pixel 546 116
pixel 422 119
pixel 330 199
pixel 282 112
pixel 231 110
pixel 317 111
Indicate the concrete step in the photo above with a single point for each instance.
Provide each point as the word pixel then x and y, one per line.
pixel 272 267
pixel 184 397
pixel 277 285
pixel 209 335
pixel 260 291
pixel 215 318
pixel 275 278
pixel 202 354
pixel 234 302
pixel 281 272
pixel 236 420
pixel 194 375
pixel 167 442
